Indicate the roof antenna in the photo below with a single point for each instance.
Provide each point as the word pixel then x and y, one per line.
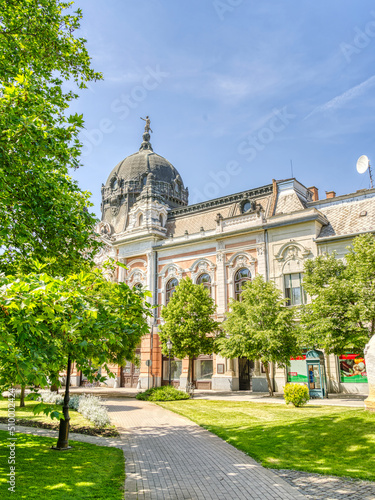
pixel 363 163
pixel 291 167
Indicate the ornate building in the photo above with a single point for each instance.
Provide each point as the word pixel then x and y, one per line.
pixel 271 230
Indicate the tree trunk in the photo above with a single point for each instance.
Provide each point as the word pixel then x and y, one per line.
pixel 22 397
pixel 189 379
pixel 270 389
pixel 54 388
pixel 63 441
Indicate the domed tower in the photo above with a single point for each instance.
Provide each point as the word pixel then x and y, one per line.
pixel 140 190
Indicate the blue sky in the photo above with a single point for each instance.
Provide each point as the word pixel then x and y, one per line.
pixel 235 90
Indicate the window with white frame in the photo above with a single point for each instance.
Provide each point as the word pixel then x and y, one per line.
pixel 242 276
pixel 293 289
pixel 170 289
pixel 205 280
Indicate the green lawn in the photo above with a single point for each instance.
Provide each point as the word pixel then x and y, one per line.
pixel 323 439
pixel 86 471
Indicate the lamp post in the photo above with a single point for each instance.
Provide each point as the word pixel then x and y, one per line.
pixel 169 347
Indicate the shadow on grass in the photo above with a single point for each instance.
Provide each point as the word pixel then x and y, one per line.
pixel 341 448
pixel 333 441
pixel 86 471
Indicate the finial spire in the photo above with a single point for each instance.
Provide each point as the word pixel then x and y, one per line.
pixel 146 135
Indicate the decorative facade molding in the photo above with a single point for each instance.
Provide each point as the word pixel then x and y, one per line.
pixel 137 276
pixel 291 257
pixel 290 250
pixel 203 266
pixel 104 229
pixel 237 262
pixel 225 200
pixel 168 272
pixel 154 216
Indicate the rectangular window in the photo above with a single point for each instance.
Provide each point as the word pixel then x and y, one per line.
pixel 352 369
pixel 293 289
pixel 203 369
pixel 176 369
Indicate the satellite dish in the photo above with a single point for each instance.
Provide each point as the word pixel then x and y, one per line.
pixel 362 164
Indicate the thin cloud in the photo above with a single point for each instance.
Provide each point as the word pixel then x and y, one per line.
pixel 342 99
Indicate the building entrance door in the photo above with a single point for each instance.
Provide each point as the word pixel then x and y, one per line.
pixel 130 374
pixel 245 367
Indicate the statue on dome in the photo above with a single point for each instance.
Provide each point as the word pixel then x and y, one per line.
pixel 147 126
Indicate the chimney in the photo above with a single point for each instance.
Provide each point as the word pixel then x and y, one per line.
pixel 315 194
pixel 330 194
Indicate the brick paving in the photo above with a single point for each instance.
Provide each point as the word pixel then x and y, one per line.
pixel 318 487
pixel 168 457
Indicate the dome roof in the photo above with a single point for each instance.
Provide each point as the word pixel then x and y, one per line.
pixel 140 164
pixel 143 177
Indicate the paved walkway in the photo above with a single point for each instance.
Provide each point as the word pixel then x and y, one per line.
pixel 319 487
pixel 256 397
pixel 168 457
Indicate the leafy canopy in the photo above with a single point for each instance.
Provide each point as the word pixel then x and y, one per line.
pixel 188 321
pixel 341 315
pixel 43 212
pixel 45 319
pixel 259 326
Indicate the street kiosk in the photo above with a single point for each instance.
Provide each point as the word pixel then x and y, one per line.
pixel 316 375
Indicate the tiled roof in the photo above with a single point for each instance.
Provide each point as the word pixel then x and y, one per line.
pixel 287 203
pixel 348 217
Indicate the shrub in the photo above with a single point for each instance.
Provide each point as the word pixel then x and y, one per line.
pixel 74 402
pixel 58 399
pixel 92 408
pixel 298 394
pixel 164 393
pixel 51 397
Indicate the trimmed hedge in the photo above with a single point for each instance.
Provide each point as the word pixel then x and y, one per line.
pixel 164 393
pixel 297 394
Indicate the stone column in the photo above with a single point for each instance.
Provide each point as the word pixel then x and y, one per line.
pixel 221 297
pixel 262 255
pixel 370 368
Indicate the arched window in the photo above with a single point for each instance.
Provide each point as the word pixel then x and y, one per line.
pixel 242 275
pixel 140 220
pixel 171 288
pixel 138 286
pixel 161 220
pixel 205 280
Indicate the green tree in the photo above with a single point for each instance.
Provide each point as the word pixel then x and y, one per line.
pixel 43 213
pixel 47 323
pixel 341 315
pixel 260 326
pixel 189 323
